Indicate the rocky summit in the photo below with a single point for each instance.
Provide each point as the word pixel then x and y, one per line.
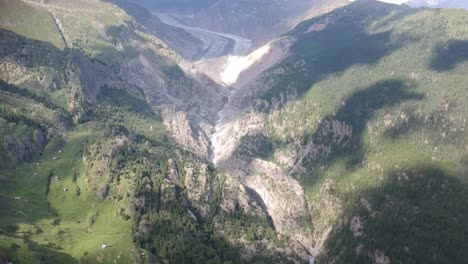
pixel 240 131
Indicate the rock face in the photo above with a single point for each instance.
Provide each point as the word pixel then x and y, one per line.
pixel 282 195
pixel 331 135
pixel 20 148
pixel 240 145
pixel 194 137
pixel 198 184
pixel 278 194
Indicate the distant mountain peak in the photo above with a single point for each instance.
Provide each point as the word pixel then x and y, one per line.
pixel 428 3
pixel 439 3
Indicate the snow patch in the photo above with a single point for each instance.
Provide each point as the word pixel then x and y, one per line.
pixel 236 64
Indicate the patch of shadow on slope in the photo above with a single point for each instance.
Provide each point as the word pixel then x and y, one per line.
pixel 437 126
pixel 44 253
pixel 139 13
pixel 417 215
pixel 448 55
pixel 28 52
pixel 254 146
pixel 258 199
pixel 340 135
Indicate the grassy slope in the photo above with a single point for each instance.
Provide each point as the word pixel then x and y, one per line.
pixel 84 24
pixel 65 221
pixel 19 17
pixel 403 147
pixel 38 208
pixel 49 224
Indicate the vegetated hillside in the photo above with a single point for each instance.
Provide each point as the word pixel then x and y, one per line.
pixel 86 156
pixel 368 112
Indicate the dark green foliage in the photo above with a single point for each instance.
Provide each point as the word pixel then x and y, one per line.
pixel 14 247
pixel 126 102
pixel 10 229
pixel 19 117
pixel 56 222
pixel 255 228
pixel 48 253
pixel 174 72
pixel 12 89
pixel 21 138
pixel 130 115
pixel 420 219
pixel 252 146
pixel 25 130
pixel 14 45
pixel 163 226
pixel 174 234
pixel 172 230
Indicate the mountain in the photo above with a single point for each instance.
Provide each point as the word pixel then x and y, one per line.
pixel 258 20
pixel 365 112
pixel 439 3
pixel 175 5
pixel 147 132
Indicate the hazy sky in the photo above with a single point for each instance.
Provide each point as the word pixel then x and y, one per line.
pixel 394 1
pixel 391 1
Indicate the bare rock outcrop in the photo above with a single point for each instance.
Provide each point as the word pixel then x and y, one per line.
pixel 191 136
pixel 199 185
